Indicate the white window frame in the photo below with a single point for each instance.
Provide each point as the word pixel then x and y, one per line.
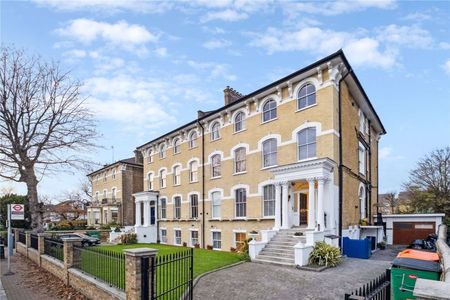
pixel 240 122
pixel 361 159
pixel 191 239
pixel 150 156
pixel 193 174
pixel 114 174
pixel 193 141
pixel 175 237
pixel 192 207
pixel 217 203
pixel 176 146
pixel 240 206
pixel 306 85
pixel 242 162
pixel 162 178
pixel 269 154
pixel 267 201
pixel 163 208
pixel 150 181
pixel 215 131
pixel 176 208
pixel 216 166
pixel 270 110
pixel 163 236
pixel 307 144
pixel 162 151
pixel 176 170
pixel 213 239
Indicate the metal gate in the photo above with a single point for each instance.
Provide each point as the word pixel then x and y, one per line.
pixel 168 276
pixel 377 289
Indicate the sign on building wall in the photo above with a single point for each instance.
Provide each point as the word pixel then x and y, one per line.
pixel 17 212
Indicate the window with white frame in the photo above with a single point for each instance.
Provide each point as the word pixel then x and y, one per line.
pixel 176 146
pixel 239 160
pixel 150 156
pixel 241 203
pixel 215 131
pixel 239 120
pixel 362 121
pixel 162 151
pixel 362 202
pixel 114 174
pixel 362 158
pixel 217 240
pixel 269 110
pixel 104 194
pixel 215 199
pixel 104 176
pixel 162 178
pixel 215 165
pixel 307 143
pixel 193 201
pixel 163 208
pixel 194 238
pixel 164 236
pixel 306 96
pixel 96 196
pixel 177 207
pixel 193 140
pixel 177 240
pixel 113 194
pixel 150 181
pixel 269 200
pixel 176 175
pixel 269 152
pixel 193 171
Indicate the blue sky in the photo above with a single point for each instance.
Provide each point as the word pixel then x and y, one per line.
pixel 147 67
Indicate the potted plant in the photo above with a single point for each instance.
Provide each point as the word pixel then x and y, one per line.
pixel 184 244
pixel 364 222
pixel 209 247
pixel 197 245
pixel 232 249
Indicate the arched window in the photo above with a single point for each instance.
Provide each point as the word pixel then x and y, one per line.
pixel 162 151
pixel 241 203
pixel 114 174
pixel 176 175
pixel 193 171
pixel 362 202
pixel 239 160
pixel 176 146
pixel 306 140
pixel 215 131
pixel 239 122
pixel 215 165
pixel 113 194
pixel 215 199
pixel 306 96
pixel 269 200
pixel 269 110
pixel 96 196
pixel 150 156
pixel 193 140
pixel 162 178
pixel 269 152
pixel 150 181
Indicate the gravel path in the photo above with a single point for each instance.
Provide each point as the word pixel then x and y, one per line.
pixel 262 281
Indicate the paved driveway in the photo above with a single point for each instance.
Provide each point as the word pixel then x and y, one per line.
pixel 261 281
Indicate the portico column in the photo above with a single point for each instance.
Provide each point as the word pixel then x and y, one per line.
pixel 146 212
pixel 320 199
pixel 311 209
pixel 138 213
pixel 285 205
pixel 330 195
pixel 277 206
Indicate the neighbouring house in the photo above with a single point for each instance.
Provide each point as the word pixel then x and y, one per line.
pixel 297 155
pixel 112 192
pixel 68 210
pixel 390 203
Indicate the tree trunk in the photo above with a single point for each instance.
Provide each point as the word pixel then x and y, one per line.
pixel 35 206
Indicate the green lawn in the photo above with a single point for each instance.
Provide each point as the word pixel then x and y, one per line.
pixel 107 263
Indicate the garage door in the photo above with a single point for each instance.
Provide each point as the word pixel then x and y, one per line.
pixel 406 232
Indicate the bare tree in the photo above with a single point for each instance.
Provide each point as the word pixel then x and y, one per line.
pixel 44 124
pixel 429 183
pixel 391 202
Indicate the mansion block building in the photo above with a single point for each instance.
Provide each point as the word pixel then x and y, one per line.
pixel 301 152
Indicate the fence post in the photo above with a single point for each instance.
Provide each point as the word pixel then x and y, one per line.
pixel 136 272
pixel 41 246
pixel 16 237
pixel 27 241
pixel 68 255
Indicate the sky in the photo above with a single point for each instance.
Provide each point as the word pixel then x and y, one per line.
pixel 148 66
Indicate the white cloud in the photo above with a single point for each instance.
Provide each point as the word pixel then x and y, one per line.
pixel 417 17
pixel 408 36
pixel 227 15
pixel 87 31
pixel 384 152
pixel 76 53
pixel 361 50
pixel 444 45
pixel 214 70
pixel 447 66
pixel 331 8
pixel 215 44
pixel 108 6
pixel 161 52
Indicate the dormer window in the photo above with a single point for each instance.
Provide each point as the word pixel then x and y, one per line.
pixel 215 131
pixel 306 96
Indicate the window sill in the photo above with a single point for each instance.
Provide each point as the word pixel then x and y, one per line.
pixel 268 167
pixel 305 108
pixel 162 158
pixel 236 132
pixel 239 173
pixel 268 218
pixel 193 181
pixel 307 159
pixel 178 184
pixel 211 140
pixel 217 177
pixel 190 148
pixel 268 121
pixel 176 153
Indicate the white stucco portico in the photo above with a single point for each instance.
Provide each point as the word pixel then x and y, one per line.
pixel 321 194
pixel 146 216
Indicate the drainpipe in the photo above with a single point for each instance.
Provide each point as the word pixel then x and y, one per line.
pixel 203 182
pixel 157 219
pixel 340 166
pixel 369 190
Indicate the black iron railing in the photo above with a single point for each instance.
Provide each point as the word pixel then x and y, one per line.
pixel 34 242
pixel 106 265
pixel 169 276
pixel 54 248
pixel 379 289
pixel 22 237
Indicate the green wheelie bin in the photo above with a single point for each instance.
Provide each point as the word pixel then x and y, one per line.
pixel 94 234
pixel 404 273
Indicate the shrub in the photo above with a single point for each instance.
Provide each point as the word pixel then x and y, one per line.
pixel 209 247
pixel 129 238
pixel 325 255
pixel 197 245
pixel 232 249
pixel 184 244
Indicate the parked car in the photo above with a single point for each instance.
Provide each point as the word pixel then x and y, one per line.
pixel 86 240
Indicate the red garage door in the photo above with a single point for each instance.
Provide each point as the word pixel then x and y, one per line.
pixel 406 232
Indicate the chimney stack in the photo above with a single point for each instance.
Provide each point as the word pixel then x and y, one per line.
pixel 230 95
